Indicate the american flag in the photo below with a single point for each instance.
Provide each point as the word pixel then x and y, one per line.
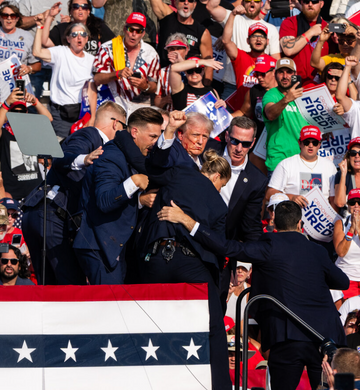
pixel 105 337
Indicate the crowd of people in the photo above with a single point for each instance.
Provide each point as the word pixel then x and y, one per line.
pixel 145 193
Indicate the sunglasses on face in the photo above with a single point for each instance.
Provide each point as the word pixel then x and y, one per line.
pixel 13 215
pixel 189 1
pixel 136 30
pixel 7 16
pixel 6 261
pixel 255 1
pixel 83 34
pixel 82 6
pixel 353 153
pixel 236 142
pixel 311 1
pixel 196 70
pixel 307 142
pixel 124 125
pixel 262 74
pixel 330 77
pixel 257 36
pixel 353 202
pixel 348 41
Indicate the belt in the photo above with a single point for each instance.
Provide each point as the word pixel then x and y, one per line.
pixel 57 106
pixel 185 250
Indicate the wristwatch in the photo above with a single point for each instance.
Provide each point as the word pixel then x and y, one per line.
pixel 148 87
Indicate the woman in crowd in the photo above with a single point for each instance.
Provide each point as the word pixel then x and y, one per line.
pixel 15 40
pixel 347 244
pixel 80 12
pixel 348 177
pixel 71 68
pixel 185 94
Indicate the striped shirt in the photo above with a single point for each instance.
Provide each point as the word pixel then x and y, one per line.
pixel 163 85
pixel 147 63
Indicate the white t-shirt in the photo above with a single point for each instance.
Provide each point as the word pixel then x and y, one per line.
pixel 348 306
pixel 240 35
pixel 352 118
pixel 297 177
pixel 69 75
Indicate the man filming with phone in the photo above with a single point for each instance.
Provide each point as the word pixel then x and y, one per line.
pixel 282 118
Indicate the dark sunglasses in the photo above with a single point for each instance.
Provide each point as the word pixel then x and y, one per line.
pixel 136 30
pixel 124 125
pixel 352 202
pixel 348 41
pixel 189 1
pixel 82 6
pixel 7 16
pixel 74 34
pixel 13 215
pixel 196 70
pixel 307 142
pixel 330 77
pixel 263 74
pixel 6 261
pixel 236 142
pixel 311 1
pixel 353 153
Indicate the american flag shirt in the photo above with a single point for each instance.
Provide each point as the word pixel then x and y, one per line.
pixel 147 63
pixel 163 85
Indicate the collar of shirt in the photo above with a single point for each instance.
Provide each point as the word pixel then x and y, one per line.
pixel 196 160
pixel 234 168
pixel 127 61
pixel 103 136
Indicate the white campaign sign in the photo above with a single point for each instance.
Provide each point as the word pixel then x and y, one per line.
pixel 319 217
pixel 8 74
pixel 316 106
pixel 218 56
pixel 260 148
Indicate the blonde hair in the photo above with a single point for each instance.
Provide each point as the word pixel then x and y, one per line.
pixel 215 164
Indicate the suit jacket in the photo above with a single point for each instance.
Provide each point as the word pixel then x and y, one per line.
pixel 109 216
pixel 244 210
pixel 297 272
pixel 83 141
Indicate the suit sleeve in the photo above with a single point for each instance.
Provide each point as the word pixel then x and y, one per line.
pixel 250 223
pixel 249 252
pixel 335 278
pixel 110 172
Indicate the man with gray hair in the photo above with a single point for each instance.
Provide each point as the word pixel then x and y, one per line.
pixel 177 47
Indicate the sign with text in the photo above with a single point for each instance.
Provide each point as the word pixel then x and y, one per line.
pixel 206 105
pixel 316 106
pixel 9 71
pixel 335 148
pixel 319 217
pixel 103 95
pixel 219 55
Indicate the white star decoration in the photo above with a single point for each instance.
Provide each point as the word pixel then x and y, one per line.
pixel 150 350
pixel 192 349
pixel 110 351
pixel 69 352
pixel 24 352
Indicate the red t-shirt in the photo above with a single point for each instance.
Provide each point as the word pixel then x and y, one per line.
pixel 244 66
pixel 302 59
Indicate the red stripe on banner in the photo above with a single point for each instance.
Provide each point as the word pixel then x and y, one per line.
pixel 137 292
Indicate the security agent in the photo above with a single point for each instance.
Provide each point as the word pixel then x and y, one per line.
pixel 293 270
pixel 65 178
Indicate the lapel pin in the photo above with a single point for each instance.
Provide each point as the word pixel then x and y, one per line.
pixel 245 180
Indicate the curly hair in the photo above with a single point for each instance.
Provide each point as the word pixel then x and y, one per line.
pixel 14 8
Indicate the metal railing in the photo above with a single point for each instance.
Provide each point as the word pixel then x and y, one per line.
pixel 245 332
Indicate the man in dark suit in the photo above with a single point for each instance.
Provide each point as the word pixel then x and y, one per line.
pixel 245 191
pixel 299 274
pixel 65 180
pixel 110 202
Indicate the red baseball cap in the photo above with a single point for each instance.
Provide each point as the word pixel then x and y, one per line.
pixel 354 194
pixel 19 104
pixel 176 43
pixel 353 142
pixel 264 63
pixel 229 323
pixel 310 132
pixel 257 27
pixel 194 59
pixel 136 18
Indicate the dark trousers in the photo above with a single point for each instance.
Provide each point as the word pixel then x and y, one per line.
pixel 187 269
pixel 96 269
pixel 287 361
pixel 61 265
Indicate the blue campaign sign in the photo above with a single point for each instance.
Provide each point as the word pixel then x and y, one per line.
pixel 206 105
pixel 103 96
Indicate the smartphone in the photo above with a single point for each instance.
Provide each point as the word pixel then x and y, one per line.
pixel 344 381
pixel 21 85
pixel 280 9
pixel 16 240
pixel 295 79
pixel 338 28
pixel 137 75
